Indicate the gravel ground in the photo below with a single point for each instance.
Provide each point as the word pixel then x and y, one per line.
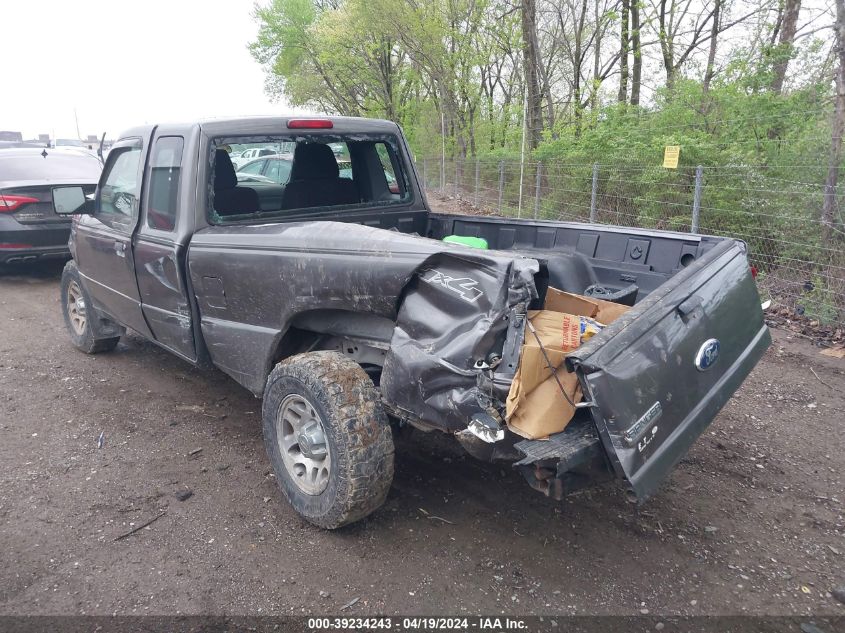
pixel 752 520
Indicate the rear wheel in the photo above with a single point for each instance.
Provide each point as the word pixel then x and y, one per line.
pixel 79 314
pixel 327 438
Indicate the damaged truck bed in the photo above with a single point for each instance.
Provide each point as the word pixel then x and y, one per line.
pixel 575 352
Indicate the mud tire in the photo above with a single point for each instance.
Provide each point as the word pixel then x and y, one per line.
pixel 85 340
pixel 357 433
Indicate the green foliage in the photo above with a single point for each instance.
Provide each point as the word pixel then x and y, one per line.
pixel 449 71
pixel 284 41
pixel 817 301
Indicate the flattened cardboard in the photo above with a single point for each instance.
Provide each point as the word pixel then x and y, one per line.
pixel 535 406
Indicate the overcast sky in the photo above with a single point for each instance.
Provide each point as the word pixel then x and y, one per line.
pixel 122 63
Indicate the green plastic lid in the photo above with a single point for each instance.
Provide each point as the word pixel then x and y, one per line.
pixel 472 242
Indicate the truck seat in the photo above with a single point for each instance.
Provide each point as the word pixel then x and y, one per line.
pixel 315 179
pixel 229 198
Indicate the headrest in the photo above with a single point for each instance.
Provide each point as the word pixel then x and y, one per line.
pixel 224 171
pixel 313 161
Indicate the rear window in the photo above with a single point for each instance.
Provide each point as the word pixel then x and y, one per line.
pixel 56 165
pixel 304 174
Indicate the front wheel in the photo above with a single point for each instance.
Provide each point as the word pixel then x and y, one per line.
pixel 79 314
pixel 328 438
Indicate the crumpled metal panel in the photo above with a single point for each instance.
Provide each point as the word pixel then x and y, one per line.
pixel 455 313
pixel 448 302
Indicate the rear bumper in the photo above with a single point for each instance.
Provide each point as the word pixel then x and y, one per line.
pixel 30 242
pixel 566 461
pixel 31 254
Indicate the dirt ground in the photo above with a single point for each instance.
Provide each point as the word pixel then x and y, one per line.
pixel 752 521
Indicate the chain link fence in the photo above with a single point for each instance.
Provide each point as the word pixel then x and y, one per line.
pixel 776 210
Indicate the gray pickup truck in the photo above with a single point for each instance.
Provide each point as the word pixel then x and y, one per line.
pixel 332 296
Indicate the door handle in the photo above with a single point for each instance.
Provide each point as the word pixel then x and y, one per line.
pixel 120 249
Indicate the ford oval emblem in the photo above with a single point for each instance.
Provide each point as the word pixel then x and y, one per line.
pixel 707 354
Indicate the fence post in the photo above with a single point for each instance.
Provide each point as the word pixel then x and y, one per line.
pixel 442 173
pixel 696 200
pixel 501 183
pixel 457 176
pixel 425 174
pixel 595 192
pixel 476 182
pixel 537 190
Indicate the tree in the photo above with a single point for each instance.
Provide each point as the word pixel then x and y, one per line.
pixel 636 45
pixel 442 39
pixel 624 38
pixel 602 66
pixel 675 19
pixel 714 39
pixel 788 26
pixel 531 62
pixel 835 156
pixel 329 56
pixel 499 62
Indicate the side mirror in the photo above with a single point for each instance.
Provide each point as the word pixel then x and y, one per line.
pixel 71 201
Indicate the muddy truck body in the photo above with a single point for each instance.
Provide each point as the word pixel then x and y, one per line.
pixel 330 293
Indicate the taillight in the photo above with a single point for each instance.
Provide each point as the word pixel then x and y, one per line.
pixel 754 272
pixel 8 203
pixel 310 124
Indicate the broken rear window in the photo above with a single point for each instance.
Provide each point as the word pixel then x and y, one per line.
pixel 293 175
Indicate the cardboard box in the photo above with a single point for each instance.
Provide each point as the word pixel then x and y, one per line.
pixel 605 312
pixel 536 407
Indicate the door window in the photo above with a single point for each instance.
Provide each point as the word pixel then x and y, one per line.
pixel 165 165
pixel 387 159
pixel 118 206
pixel 278 170
pixel 254 167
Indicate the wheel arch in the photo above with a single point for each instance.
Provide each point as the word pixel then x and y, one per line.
pixel 319 329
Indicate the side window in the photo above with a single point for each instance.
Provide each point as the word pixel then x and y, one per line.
pixel 278 170
pixel 119 191
pixel 387 159
pixel 165 167
pixel 253 168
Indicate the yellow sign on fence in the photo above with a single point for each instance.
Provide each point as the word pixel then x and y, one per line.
pixel 670 156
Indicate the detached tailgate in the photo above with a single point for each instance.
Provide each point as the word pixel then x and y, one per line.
pixel 661 373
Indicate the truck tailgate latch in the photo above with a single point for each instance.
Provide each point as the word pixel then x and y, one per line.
pixel 690 305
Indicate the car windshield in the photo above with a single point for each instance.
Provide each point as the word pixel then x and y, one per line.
pixel 289 175
pixel 47 165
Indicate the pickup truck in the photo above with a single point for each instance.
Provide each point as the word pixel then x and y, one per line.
pixel 335 299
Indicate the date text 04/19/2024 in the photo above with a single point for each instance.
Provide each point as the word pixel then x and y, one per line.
pixel 421 623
